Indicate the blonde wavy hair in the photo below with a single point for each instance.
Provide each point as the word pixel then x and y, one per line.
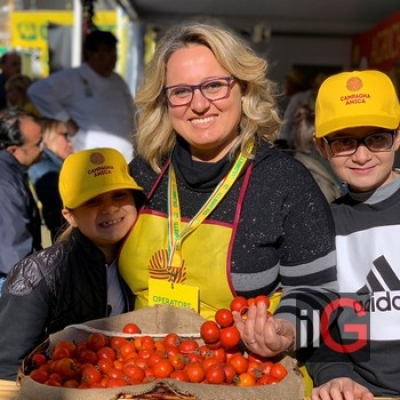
pixel 155 136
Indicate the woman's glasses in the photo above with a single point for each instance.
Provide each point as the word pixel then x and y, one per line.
pixel 212 90
pixel 346 146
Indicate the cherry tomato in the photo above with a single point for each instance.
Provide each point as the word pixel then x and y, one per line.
pixel 88 356
pixel 131 328
pixel 188 346
pixel 240 363
pixel 230 373
pixel 38 359
pixel 134 373
pixel 229 337
pixel 71 383
pixel 266 367
pixel 171 340
pixel 96 341
pixel 246 379
pixel 163 369
pixel 209 332
pixel 180 375
pixel 177 361
pixel 278 371
pixel 262 299
pixel 39 375
pixel 223 317
pixel 105 364
pixel 215 374
pixel 106 352
pixel 239 303
pixel 91 375
pixel 195 372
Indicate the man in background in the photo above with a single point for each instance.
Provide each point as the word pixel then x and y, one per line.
pixel 11 65
pixel 92 99
pixel 20 222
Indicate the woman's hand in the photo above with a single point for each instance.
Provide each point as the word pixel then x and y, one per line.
pixel 266 336
pixel 341 389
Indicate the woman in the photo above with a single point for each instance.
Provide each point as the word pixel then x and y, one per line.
pixel 16 93
pixel 44 174
pixel 226 213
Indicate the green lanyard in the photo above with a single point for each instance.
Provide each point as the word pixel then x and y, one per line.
pixel 176 235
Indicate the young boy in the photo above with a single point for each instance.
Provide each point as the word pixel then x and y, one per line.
pixel 76 279
pixel 357 130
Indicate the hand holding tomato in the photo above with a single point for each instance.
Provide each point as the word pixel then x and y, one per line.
pixel 272 335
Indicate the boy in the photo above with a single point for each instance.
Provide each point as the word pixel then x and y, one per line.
pixel 357 130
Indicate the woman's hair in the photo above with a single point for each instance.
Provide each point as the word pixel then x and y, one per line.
pixel 50 128
pixel 304 129
pixel 21 82
pixel 155 136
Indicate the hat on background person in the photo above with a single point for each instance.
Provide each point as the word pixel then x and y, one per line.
pixel 358 98
pixel 90 173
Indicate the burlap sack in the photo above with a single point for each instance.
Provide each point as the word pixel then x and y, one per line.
pixel 156 321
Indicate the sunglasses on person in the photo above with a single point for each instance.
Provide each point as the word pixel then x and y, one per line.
pixel 376 142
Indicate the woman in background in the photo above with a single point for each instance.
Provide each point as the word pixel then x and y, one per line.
pixel 44 174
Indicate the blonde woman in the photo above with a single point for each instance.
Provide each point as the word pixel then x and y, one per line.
pixel 227 214
pixel 44 174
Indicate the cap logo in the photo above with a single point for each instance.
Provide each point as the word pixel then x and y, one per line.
pixel 97 158
pixel 354 84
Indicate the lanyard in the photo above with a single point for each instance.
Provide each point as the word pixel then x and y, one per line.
pixel 176 235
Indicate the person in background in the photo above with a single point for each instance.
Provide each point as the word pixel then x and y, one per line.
pixel 307 153
pixel 10 65
pixel 16 88
pixel 299 99
pixel 44 175
pixel 76 279
pixel 227 214
pixel 92 99
pixel 21 145
pixel 357 130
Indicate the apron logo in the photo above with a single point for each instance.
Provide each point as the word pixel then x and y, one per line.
pixel 158 268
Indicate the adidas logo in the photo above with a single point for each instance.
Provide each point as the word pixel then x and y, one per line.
pixel 381 283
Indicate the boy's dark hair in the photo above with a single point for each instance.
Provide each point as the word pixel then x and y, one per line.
pixel 10 132
pixel 96 38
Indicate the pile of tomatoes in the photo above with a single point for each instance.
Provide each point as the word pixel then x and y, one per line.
pixel 106 362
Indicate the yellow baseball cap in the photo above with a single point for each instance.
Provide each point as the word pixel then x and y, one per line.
pixel 358 98
pixel 89 173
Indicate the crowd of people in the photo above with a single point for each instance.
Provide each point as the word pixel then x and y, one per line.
pixel 207 201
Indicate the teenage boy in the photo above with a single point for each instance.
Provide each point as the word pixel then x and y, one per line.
pixel 357 130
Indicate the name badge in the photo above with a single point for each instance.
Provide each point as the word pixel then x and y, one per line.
pixel 176 294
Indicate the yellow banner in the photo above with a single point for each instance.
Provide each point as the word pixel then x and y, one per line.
pixel 29 28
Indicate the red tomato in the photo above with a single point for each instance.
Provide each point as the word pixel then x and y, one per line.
pixel 61 352
pixel 266 367
pixel 195 372
pixel 188 346
pixel 39 375
pixel 91 375
pixel 171 340
pixel 88 356
pixel 223 317
pixel 215 374
pixel 105 364
pixel 71 383
pixel 177 361
pixel 278 371
pixel 163 369
pixel 180 376
pixel 209 332
pixel 240 363
pixel 230 373
pixel 134 373
pixel 38 359
pixel 239 303
pixel 229 337
pixel 106 352
pixel 116 382
pixel 154 358
pixel 96 341
pixel 131 328
pixel 262 299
